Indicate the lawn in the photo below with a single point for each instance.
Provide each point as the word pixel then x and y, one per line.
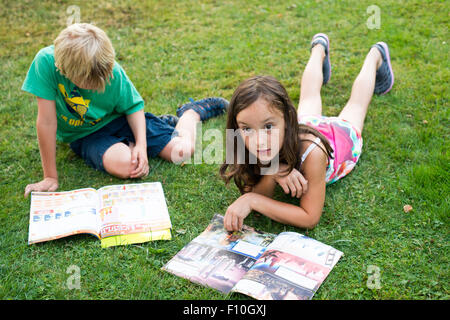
pixel 173 50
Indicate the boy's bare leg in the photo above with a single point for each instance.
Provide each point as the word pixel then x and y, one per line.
pixel 117 160
pixel 362 91
pixel 181 148
pixel 312 79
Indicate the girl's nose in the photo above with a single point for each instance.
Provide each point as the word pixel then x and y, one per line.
pixel 262 139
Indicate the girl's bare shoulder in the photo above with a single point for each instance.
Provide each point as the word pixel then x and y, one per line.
pixel 306 139
pixel 317 159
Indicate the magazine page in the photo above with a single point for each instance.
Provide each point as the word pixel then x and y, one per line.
pixel 292 268
pixel 55 215
pixel 218 258
pixel 133 213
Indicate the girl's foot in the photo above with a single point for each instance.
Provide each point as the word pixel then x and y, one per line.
pixel 322 38
pixel 385 76
pixel 206 108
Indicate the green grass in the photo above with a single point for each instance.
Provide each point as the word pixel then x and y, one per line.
pixel 173 50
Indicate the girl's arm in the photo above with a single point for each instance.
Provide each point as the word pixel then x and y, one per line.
pixel 265 186
pixel 291 182
pixel 46 125
pixel 139 158
pixel 307 215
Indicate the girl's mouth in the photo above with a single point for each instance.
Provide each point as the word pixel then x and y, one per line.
pixel 263 151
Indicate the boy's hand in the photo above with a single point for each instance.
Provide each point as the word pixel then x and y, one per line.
pixel 48 184
pixel 237 212
pixel 293 183
pixel 139 161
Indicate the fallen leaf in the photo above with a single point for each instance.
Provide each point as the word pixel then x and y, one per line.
pixel 407 208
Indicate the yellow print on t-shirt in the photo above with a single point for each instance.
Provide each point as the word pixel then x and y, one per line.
pixel 76 105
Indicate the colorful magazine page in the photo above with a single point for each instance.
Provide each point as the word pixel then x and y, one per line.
pixel 217 258
pixel 117 215
pixel 133 213
pixel 292 268
pixel 55 215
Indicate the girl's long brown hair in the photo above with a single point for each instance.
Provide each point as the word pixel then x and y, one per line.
pixel 247 175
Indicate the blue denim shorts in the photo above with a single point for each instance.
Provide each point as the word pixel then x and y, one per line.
pixel 92 147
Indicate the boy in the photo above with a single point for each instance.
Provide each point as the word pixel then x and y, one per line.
pixel 85 98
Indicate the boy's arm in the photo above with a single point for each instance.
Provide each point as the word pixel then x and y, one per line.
pixel 139 158
pixel 46 125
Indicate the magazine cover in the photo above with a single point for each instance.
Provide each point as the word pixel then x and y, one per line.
pixel 261 265
pixel 292 267
pixel 217 258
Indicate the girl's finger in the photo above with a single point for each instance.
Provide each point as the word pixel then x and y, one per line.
pixel 298 187
pixel 226 221
pixel 292 188
pixel 240 223
pixel 303 182
pixel 284 187
pixel 234 223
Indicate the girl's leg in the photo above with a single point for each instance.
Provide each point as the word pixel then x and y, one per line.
pixel 181 147
pixel 362 91
pixel 312 79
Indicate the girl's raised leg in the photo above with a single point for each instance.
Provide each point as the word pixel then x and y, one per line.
pixel 362 91
pixel 312 79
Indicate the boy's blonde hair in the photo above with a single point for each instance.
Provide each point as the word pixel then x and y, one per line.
pixel 84 54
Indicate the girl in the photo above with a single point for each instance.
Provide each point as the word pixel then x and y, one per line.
pixel 312 150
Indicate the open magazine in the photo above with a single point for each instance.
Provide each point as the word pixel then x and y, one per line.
pixel 288 266
pixel 116 214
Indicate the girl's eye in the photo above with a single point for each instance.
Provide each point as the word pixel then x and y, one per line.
pixel 268 126
pixel 246 130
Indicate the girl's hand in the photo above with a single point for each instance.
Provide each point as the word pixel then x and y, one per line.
pixel 48 184
pixel 293 183
pixel 237 212
pixel 139 161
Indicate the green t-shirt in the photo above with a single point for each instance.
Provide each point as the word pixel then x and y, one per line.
pixel 80 112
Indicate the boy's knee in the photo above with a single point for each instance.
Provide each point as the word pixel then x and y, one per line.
pixel 121 173
pixel 117 161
